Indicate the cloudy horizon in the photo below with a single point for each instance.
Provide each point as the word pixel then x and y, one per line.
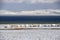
pixel 34 13
pixel 29 1
pixel 23 6
pixel 29 5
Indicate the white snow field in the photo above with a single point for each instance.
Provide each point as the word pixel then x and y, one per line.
pixel 30 34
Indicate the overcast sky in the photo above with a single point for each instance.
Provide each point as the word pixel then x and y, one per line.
pixel 29 1
pixel 23 5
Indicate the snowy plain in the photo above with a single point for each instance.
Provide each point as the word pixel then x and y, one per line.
pixel 30 34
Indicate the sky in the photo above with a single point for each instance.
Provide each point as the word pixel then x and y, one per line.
pixel 25 5
pixel 29 7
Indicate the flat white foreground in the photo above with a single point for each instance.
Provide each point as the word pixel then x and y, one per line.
pixel 29 34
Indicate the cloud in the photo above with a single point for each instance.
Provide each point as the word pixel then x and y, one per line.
pixel 29 1
pixel 31 13
pixel 15 1
pixel 5 12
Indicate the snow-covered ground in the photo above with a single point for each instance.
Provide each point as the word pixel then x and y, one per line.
pixel 30 34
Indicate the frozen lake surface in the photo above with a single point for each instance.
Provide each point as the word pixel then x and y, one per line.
pixel 29 34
